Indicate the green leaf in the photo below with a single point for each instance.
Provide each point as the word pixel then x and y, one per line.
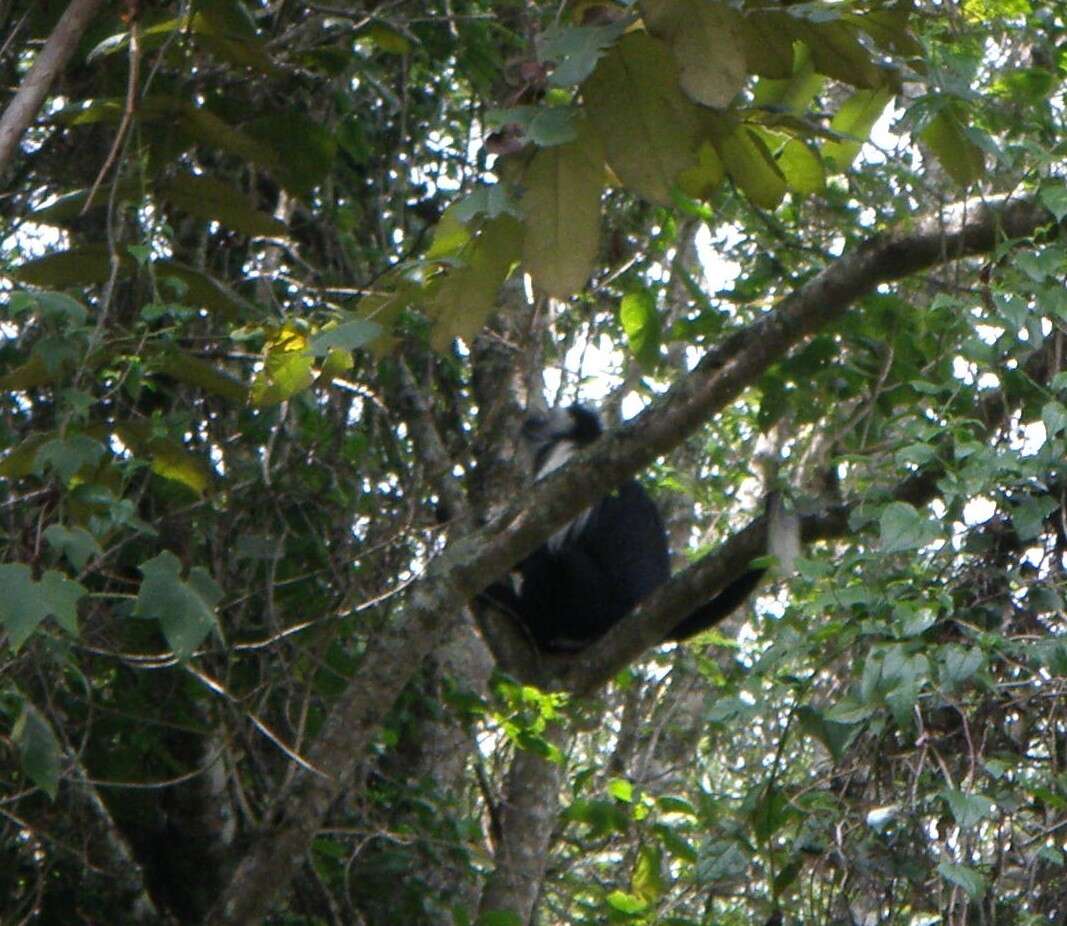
pixel 835 736
pixel 348 335
pixel 648 125
pixel 947 137
pixel 210 199
pixel 499 918
pixel 287 368
pixel 640 321
pixel 626 903
pixel 853 121
pixel 1028 517
pixel 904 528
pixel 722 860
pixel 61 307
pixel 562 208
pixel 752 166
pixel 67 456
pixel 1054 197
pixel 74 267
pixel 795 93
pixel 648 883
pixel 25 603
pixel 185 610
pixel 837 52
pixel 1054 417
pixel 389 40
pixel 768 37
pixel 573 51
pixel 76 544
pixel 462 302
pixel 621 790
pixel 973 884
pixel 707 40
pixel 802 168
pixel 39 750
pixel 305 149
pixel 200 374
pixel 968 809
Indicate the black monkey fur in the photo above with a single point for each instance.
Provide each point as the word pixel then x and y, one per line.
pixel 592 572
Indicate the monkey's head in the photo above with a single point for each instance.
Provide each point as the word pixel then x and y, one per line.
pixel 554 436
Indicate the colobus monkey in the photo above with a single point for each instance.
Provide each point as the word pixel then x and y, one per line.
pixel 593 571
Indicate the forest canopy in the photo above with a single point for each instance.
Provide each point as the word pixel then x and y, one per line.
pixel 281 282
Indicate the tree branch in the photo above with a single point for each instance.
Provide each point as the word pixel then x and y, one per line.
pixel 472 563
pixel 26 103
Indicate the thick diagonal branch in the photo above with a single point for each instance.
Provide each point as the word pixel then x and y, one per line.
pixel 471 564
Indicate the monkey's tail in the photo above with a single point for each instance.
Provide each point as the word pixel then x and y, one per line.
pixel 783 542
pixel 719 608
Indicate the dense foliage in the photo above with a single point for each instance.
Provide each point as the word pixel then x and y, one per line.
pixel 279 280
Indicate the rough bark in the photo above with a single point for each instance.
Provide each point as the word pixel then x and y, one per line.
pixel 528 816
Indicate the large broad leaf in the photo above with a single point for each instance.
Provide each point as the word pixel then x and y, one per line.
pixel 75 267
pixel 76 544
pixel 204 291
pixel 305 147
pixel 39 750
pixel 209 199
pixel 947 137
pixel 25 603
pixel 767 37
pixel 853 121
pixel 795 93
pixel 463 300
pixel 802 168
pixel 707 39
pixel 838 53
pixel 202 375
pixel 185 609
pixel 562 209
pixel 91 265
pixel 650 128
pixel 752 166
pixel 965 877
pixel 168 458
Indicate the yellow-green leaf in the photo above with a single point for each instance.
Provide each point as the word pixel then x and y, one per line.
pixel 708 43
pixel 562 209
pixel 287 368
pixel 464 299
pixel 649 127
pixel 854 121
pixel 704 177
pixel 961 158
pixel 795 93
pixel 802 167
pixel 752 167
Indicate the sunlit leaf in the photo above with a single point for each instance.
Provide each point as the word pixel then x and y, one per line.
pixel 853 121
